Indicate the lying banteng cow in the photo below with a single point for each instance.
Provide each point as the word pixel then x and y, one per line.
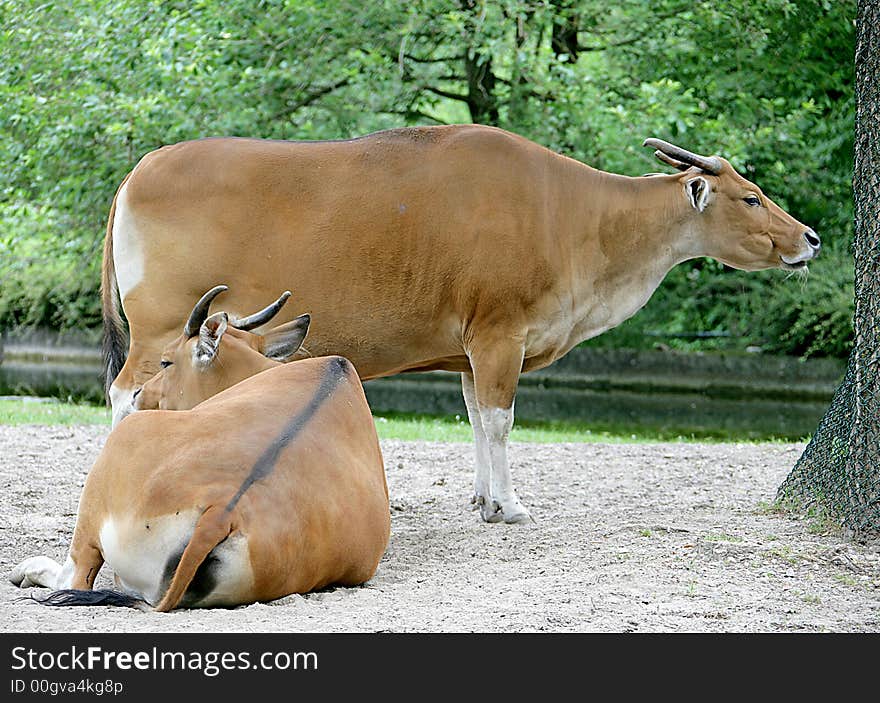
pixel 274 486
pixel 464 248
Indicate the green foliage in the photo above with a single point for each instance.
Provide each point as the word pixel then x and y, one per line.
pixel 88 86
pixel 45 277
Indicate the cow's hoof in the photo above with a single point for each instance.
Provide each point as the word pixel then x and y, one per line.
pixel 513 512
pixel 490 511
pixel 518 517
pixel 26 574
pixel 16 578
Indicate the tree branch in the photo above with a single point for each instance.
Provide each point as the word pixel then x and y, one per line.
pixel 310 98
pixel 633 39
pixel 624 42
pixel 445 93
pixel 438 59
pixel 417 113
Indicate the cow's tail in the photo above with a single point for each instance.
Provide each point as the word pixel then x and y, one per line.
pixel 211 529
pixel 72 596
pixel 114 341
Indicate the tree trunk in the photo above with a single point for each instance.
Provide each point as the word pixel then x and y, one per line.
pixel 840 469
pixel 864 455
pixel 481 100
pixel 564 40
pixel 481 89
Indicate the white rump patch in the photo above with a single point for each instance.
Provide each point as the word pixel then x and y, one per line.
pixel 139 557
pixel 128 255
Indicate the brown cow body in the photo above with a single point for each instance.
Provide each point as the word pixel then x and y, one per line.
pixel 273 486
pixel 463 248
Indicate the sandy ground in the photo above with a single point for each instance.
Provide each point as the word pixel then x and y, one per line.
pixel 663 537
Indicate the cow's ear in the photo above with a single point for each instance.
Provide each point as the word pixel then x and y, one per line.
pixel 697 190
pixel 210 334
pixel 283 342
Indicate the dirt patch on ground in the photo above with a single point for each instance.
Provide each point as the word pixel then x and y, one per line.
pixel 661 537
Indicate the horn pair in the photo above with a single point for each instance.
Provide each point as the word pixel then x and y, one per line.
pixel 200 313
pixel 682 159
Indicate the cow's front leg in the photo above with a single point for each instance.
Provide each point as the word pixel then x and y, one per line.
pixel 496 369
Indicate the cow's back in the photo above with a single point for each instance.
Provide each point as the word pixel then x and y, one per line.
pixel 398 236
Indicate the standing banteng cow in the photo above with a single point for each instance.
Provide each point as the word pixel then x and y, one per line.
pixel 273 486
pixel 463 248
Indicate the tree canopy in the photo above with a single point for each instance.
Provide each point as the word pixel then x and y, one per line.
pixel 88 87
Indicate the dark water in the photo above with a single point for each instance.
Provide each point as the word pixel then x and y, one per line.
pixel 619 411
pixel 702 413
pixel 71 382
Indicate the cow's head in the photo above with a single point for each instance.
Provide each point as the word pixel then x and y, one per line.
pixel 734 221
pixel 217 351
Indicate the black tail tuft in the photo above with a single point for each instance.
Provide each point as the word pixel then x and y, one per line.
pixel 112 351
pixel 70 596
pixel 113 346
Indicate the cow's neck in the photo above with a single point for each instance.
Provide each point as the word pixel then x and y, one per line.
pixel 634 230
pixel 238 373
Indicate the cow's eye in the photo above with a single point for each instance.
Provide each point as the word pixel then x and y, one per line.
pixel 165 363
pixel 751 200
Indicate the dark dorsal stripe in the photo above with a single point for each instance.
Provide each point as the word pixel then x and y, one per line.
pixel 333 374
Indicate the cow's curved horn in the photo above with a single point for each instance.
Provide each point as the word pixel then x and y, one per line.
pixel 261 318
pixel 200 312
pixel 710 164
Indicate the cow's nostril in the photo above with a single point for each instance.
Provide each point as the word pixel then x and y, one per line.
pixel 135 394
pixel 812 239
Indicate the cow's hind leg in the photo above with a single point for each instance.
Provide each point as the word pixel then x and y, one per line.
pixel 496 369
pixel 483 473
pixel 78 571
